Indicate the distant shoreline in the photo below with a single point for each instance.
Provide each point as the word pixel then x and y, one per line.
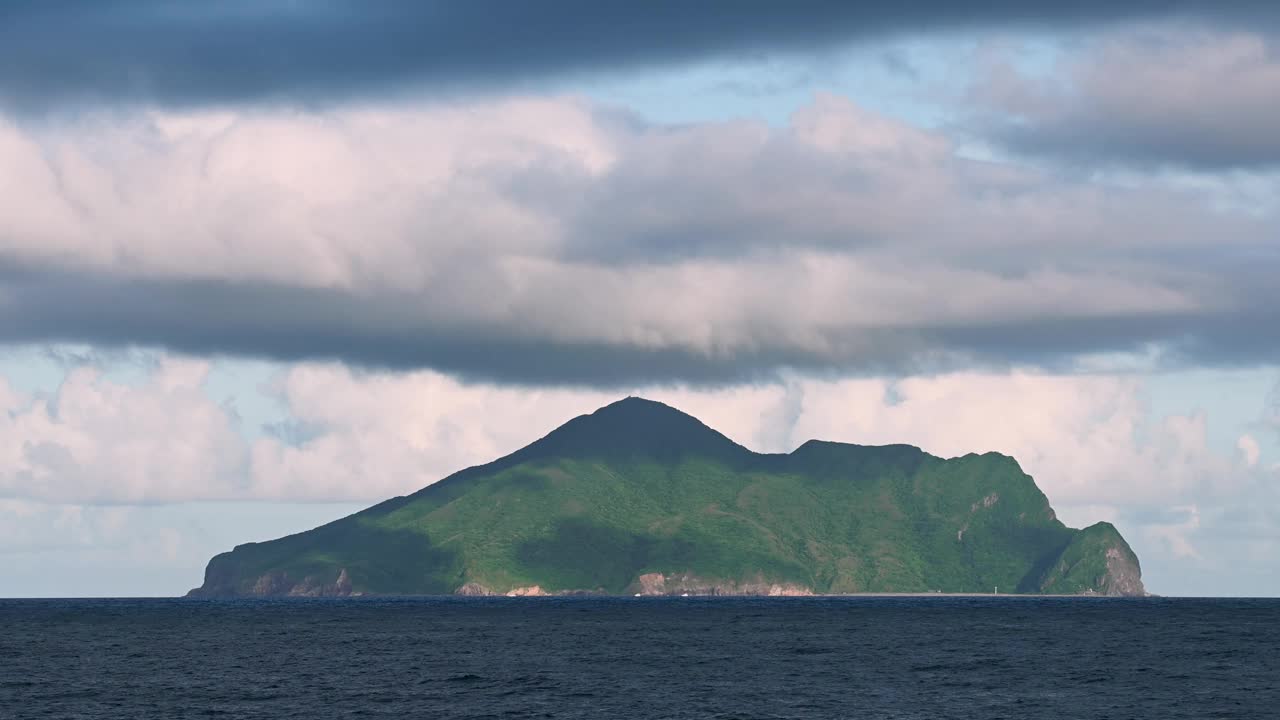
pixel 590 595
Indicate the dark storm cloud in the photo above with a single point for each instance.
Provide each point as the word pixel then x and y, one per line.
pixel 259 320
pixel 291 324
pixel 233 50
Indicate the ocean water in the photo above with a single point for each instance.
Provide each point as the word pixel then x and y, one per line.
pixel 641 658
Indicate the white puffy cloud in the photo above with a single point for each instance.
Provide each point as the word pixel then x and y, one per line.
pixel 1086 439
pixel 359 197
pixel 370 436
pixel 352 435
pixel 509 239
pixel 1249 449
pixel 99 440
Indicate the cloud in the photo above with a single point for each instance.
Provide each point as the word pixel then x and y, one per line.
pixel 358 435
pixel 1175 535
pixel 547 241
pixel 99 440
pixel 89 50
pixel 1271 410
pixel 371 436
pixel 1088 440
pixel 1249 449
pixel 28 524
pixel 1180 95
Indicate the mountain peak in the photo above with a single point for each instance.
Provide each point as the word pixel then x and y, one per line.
pixel 635 403
pixel 638 426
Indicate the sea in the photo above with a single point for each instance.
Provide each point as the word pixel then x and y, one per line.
pixel 600 658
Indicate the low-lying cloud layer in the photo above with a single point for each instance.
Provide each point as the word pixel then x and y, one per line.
pixel 366 436
pixel 233 50
pixel 550 241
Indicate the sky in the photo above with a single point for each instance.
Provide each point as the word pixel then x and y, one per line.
pixel 263 264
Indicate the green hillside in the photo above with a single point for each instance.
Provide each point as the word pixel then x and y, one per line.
pixel 641 498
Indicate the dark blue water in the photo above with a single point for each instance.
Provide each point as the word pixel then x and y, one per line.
pixel 641 658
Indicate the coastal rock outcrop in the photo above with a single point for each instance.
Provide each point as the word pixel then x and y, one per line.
pixel 657 584
pixel 1097 561
pixel 278 583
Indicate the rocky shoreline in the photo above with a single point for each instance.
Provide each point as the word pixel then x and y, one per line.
pixel 652 585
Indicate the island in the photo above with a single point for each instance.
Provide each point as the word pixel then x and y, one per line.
pixel 639 498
